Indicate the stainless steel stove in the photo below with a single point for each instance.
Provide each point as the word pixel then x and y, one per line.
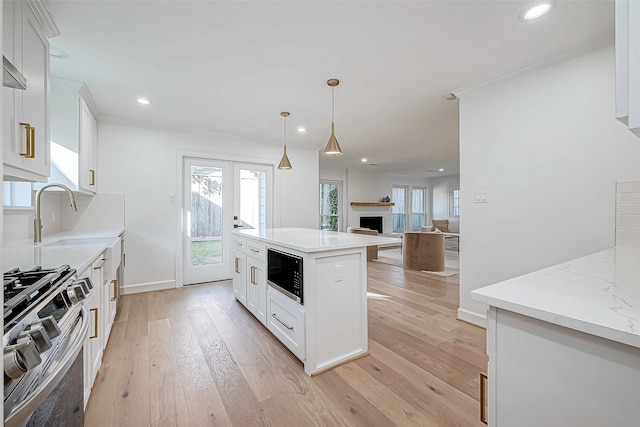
pixel 45 326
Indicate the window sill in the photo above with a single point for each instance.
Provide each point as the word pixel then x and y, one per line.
pixel 18 208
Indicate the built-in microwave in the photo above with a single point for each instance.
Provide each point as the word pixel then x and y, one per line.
pixel 284 273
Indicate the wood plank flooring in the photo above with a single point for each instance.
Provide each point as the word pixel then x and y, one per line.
pixel 195 357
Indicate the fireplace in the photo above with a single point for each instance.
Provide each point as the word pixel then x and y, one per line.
pixel 371 222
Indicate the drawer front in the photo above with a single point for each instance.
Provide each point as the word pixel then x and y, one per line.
pixel 285 320
pixel 239 245
pixel 256 250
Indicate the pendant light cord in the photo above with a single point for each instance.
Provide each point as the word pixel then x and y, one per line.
pixel 333 103
pixel 285 131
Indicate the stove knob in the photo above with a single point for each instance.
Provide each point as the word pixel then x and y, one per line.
pixel 75 293
pixel 50 325
pixel 38 334
pixel 20 357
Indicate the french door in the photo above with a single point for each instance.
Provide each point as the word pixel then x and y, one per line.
pixel 218 197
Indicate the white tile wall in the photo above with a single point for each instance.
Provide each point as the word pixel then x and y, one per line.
pixel 102 212
pixel 628 214
pixel 99 213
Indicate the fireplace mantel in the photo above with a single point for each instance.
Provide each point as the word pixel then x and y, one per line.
pixel 372 204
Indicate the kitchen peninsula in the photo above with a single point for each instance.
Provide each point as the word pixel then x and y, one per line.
pixel 329 327
pixel 564 343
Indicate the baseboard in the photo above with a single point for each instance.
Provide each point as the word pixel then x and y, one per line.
pixel 472 317
pixel 149 287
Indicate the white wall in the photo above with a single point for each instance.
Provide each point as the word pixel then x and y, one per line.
pixel 141 164
pixel 548 150
pixel 361 186
pixel 439 195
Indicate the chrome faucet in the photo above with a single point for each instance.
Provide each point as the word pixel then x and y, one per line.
pixel 37 223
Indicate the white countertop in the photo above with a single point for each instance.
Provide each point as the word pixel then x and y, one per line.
pixel 26 255
pixel 311 240
pixel 598 294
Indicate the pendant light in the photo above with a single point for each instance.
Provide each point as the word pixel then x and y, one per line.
pixel 332 148
pixel 285 164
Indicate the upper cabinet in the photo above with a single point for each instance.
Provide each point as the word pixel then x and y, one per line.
pixel 26 28
pixel 628 63
pixel 74 136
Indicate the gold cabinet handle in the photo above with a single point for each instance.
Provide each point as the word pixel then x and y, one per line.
pixel 33 143
pixel 253 274
pixel 237 268
pixel 254 250
pixel 115 290
pixel 281 322
pixel 95 323
pixel 27 128
pixel 93 177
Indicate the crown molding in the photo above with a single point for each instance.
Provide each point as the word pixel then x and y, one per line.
pixel 41 11
pixel 563 57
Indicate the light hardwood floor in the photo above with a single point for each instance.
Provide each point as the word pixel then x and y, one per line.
pixel 195 357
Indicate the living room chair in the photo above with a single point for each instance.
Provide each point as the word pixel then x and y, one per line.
pixel 423 251
pixel 372 251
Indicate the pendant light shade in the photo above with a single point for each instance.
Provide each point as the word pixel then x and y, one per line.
pixel 285 164
pixel 332 148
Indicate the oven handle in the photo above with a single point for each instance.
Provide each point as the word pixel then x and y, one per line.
pixel 24 410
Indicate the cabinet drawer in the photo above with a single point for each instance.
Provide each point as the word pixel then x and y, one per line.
pixel 239 245
pixel 285 320
pixel 256 250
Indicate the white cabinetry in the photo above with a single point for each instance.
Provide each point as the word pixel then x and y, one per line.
pixel 257 283
pixel 93 346
pixel 74 136
pixel 26 26
pixel 286 321
pixel 240 270
pixel 542 374
pixel 628 63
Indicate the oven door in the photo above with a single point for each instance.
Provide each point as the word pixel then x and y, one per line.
pixel 67 354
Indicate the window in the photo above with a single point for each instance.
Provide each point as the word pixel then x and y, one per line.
pixel 330 206
pixel 399 197
pixel 454 202
pixel 418 208
pixel 17 194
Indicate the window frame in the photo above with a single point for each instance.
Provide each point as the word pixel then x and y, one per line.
pixel 425 206
pixel 452 198
pixel 404 212
pixel 339 215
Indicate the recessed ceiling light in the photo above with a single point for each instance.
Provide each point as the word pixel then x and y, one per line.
pixel 440 170
pixel 57 53
pixel 535 11
pixel 450 96
pixel 301 129
pixel 364 160
pixel 143 101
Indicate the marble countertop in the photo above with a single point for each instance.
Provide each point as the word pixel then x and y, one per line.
pixel 50 254
pixel 310 240
pixel 598 294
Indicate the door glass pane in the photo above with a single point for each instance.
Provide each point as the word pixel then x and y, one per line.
pixel 329 198
pixel 206 215
pixel 253 199
pixel 418 207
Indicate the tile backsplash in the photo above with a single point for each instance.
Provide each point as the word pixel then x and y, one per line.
pixel 96 214
pixel 628 214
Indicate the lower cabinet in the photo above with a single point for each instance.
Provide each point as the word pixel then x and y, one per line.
pixel 280 314
pixel 93 346
pixel 285 320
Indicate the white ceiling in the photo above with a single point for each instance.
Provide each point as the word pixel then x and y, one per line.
pixel 232 67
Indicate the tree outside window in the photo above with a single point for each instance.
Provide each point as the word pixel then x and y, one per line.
pixel 330 205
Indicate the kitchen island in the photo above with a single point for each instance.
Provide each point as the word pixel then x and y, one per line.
pixel 330 326
pixel 564 343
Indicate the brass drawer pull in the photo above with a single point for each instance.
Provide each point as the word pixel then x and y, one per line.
pixel 254 250
pixel 281 322
pixel 115 290
pixel 95 323
pixel 253 275
pixel 27 128
pixel 237 268
pixel 33 143
pixel 93 177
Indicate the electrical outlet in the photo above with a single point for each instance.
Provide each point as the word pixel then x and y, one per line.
pixel 172 198
pixel 481 196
